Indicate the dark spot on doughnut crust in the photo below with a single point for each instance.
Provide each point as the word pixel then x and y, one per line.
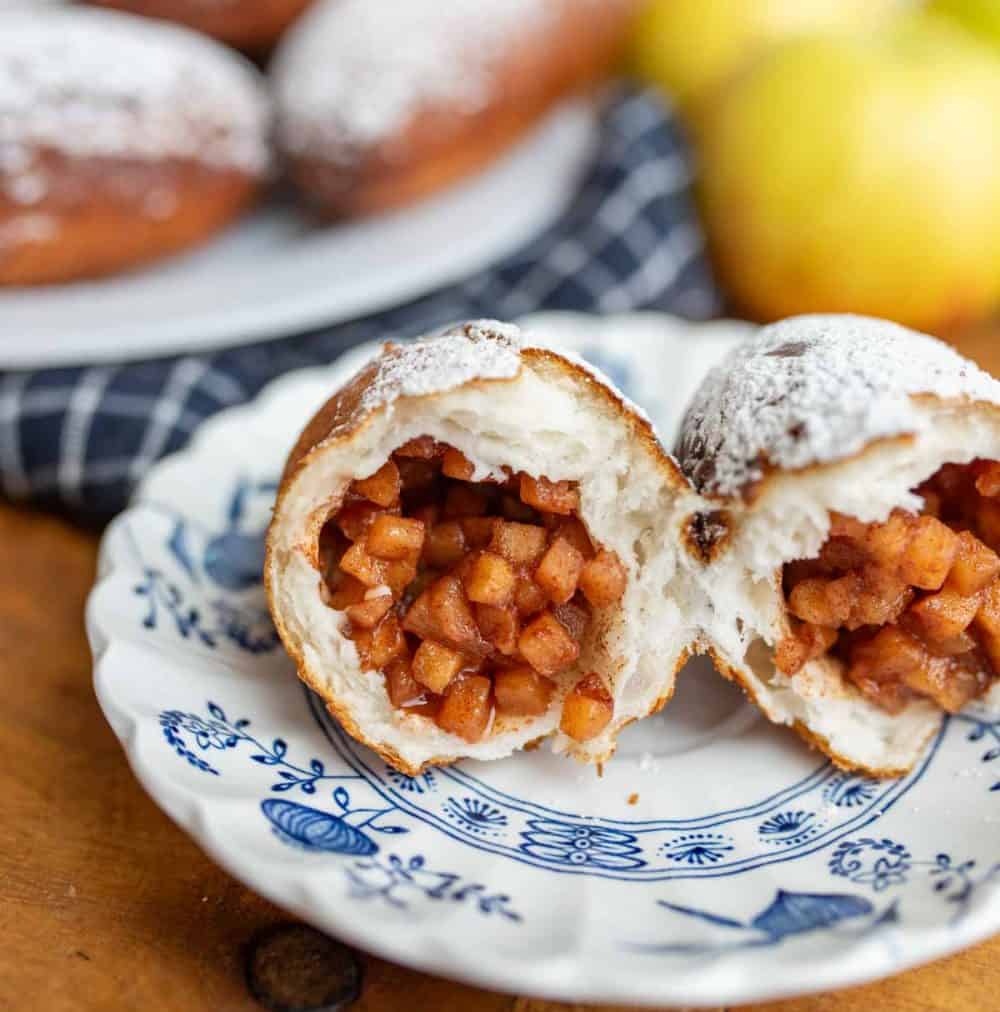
pixel 793 349
pixel 705 534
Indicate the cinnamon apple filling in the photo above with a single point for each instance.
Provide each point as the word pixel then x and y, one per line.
pixel 470 597
pixel 911 607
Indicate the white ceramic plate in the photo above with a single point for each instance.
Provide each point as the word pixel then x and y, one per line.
pixel 717 861
pixel 275 273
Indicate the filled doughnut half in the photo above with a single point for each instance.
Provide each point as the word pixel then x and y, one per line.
pixel 475 546
pixel 122 140
pixel 850 544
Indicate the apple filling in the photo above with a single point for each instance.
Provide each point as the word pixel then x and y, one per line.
pixel 469 597
pixel 911 607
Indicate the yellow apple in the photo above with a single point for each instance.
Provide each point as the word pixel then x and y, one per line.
pixel 688 47
pixel 979 16
pixel 860 174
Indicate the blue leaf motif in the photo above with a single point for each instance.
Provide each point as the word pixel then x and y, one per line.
pixel 216 711
pixel 342 798
pixel 792 913
pixel 315 830
pixel 279 748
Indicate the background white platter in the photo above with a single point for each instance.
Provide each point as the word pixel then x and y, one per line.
pixel 277 273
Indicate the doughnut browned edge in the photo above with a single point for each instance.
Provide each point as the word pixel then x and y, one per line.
pixel 251 25
pixel 341 417
pixel 441 145
pixel 94 221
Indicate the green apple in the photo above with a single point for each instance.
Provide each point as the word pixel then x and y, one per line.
pixel 688 47
pixel 860 174
pixel 979 16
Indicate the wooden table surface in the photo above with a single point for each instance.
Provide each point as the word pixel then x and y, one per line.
pixel 106 905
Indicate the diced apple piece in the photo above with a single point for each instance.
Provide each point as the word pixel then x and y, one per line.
pixel 454 464
pixel 841 555
pixel 435 665
pixel 358 563
pixel 883 597
pixel 975 566
pixel 400 685
pixel 842 526
pixel 944 615
pixel 803 644
pixel 950 683
pixel 419 619
pixel 466 501
pixel 574 616
pixel 355 518
pixel 368 613
pixel 452 617
pixel 549 496
pixel 603 579
pixel 559 571
pixel 498 626
pixel 522 692
pixel 395 537
pixel 490 580
pixel 547 646
pixel 824 602
pixel 387 642
pixel 345 592
pixel 519 544
pixel 382 487
pixel 587 710
pixel 929 555
pixel 444 545
pixel 400 573
pixel 528 596
pixel 986 625
pixel 467 707
pixel 422 448
pixel 574 531
pixel 886 543
pixel 988 522
pixel 988 479
pixel 478 530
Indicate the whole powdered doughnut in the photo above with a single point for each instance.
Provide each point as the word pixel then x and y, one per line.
pixel 120 139
pixel 379 103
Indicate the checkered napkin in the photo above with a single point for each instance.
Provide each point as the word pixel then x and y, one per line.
pixel 80 438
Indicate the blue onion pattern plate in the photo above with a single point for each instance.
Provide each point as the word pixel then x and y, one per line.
pixel 717 860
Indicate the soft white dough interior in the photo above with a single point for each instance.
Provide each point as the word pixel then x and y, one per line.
pixel 545 428
pixel 791 521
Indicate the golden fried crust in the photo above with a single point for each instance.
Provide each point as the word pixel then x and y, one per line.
pixel 817 741
pixel 343 415
pixel 443 144
pixel 252 25
pixel 103 215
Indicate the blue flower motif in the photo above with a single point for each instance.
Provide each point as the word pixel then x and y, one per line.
pixel 983 729
pixel 581 845
pixel 477 816
pixel 848 790
pixel 416 785
pixel 878 863
pixel 697 848
pixel 784 823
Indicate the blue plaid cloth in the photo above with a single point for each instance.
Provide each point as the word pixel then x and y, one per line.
pixel 79 439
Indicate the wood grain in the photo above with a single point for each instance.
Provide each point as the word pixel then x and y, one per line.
pixel 106 905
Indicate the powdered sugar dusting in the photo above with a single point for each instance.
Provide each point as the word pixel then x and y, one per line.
pixel 353 73
pixel 89 83
pixel 812 389
pixel 481 349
